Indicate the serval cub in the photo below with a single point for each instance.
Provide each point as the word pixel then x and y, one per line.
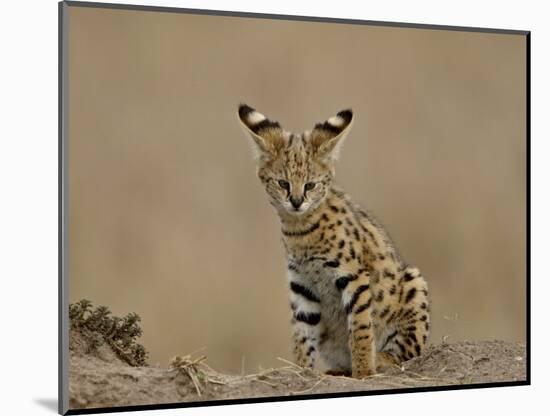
pixel 356 305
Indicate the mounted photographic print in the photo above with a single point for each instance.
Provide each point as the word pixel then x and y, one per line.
pixel 265 208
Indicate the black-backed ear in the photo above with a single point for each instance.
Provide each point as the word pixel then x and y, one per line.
pixel 327 137
pixel 266 134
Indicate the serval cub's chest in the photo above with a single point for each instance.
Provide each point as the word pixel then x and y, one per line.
pixel 332 344
pixel 356 306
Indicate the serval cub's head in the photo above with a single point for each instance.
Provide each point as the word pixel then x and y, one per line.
pixel 296 169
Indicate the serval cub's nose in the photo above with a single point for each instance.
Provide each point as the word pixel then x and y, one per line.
pixel 296 201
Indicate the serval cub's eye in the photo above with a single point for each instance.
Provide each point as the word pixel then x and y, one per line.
pixel 309 186
pixel 284 184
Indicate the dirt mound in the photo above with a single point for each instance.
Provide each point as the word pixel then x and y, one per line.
pixel 100 378
pixel 108 368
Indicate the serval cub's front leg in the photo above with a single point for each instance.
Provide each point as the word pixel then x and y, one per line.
pixel 306 318
pixel 357 300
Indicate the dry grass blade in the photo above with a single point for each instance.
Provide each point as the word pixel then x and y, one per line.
pixel 290 363
pixel 396 384
pixel 186 365
pixel 418 376
pixel 460 353
pixel 214 381
pixel 193 376
pixel 266 382
pixel 263 373
pixel 291 370
pixel 310 388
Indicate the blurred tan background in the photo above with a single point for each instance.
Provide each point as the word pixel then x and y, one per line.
pixel 168 219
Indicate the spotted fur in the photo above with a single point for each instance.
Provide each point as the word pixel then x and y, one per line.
pixel 356 305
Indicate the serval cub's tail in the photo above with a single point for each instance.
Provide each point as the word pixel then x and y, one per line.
pixel 411 322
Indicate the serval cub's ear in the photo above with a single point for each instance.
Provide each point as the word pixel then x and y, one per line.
pixel 266 134
pixel 327 137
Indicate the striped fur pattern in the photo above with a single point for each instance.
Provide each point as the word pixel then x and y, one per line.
pixel 357 307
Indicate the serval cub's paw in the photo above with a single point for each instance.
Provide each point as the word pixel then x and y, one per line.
pixel 362 372
pixel 385 360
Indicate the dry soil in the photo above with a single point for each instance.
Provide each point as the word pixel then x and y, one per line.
pixel 100 379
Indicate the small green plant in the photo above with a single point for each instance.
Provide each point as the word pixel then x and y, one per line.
pixel 99 326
